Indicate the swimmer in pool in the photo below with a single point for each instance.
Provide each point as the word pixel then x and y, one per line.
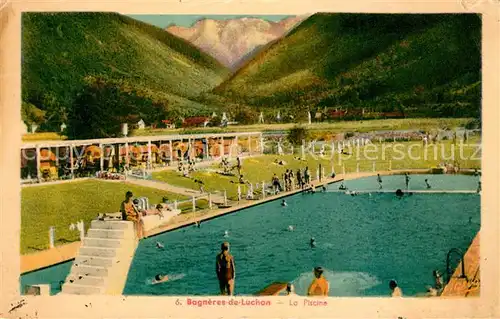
pixel 159 279
pixel 323 188
pixel 226 233
pixel 159 245
pixel 283 203
pixel 399 193
pixel 290 228
pixel 342 187
pixel 313 242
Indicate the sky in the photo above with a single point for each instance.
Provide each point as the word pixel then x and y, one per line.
pixel 163 20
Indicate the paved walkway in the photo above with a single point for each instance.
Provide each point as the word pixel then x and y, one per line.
pixel 173 189
pixel 470 287
pixel 67 252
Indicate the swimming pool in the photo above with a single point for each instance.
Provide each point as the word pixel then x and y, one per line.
pixel 362 241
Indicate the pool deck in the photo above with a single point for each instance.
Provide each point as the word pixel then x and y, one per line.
pixel 67 252
pixel 470 287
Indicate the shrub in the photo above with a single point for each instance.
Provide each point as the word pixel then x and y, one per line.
pixel 298 134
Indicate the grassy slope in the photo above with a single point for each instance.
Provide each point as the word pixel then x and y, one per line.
pixel 426 124
pixel 63 204
pixel 379 57
pixel 254 172
pixel 60 49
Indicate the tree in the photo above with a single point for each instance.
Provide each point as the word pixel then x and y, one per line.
pixel 298 134
pixel 245 115
pixel 102 106
pixel 30 114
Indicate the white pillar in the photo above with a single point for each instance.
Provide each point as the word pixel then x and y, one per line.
pixel 357 168
pixel 317 174
pixel 390 165
pixel 38 171
pixel 249 144
pixel 221 147
pixel 194 203
pixel 343 169
pixel 81 228
pixel 225 198
pixel 333 170
pixel 127 158
pixel 175 204
pixel 209 200
pixel 71 165
pixel 57 159
pixel 101 158
pixel 171 151
pixel 239 193
pixel 52 235
pixel 303 150
pixel 373 166
pixel 261 144
pixel 149 154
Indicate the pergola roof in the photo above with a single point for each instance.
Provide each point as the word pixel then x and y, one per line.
pixel 131 140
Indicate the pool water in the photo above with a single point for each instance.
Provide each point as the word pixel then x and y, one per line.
pixel 49 276
pixel 362 241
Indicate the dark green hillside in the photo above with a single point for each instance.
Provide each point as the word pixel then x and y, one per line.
pixel 421 65
pixel 61 49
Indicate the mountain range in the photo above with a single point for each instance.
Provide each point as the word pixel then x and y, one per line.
pixel 232 42
pixel 422 65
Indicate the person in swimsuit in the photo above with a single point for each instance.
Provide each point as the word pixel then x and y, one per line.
pixel 130 213
pixel 379 180
pixel 319 286
pixel 159 279
pixel 395 290
pixel 407 180
pixel 427 184
pixel 225 270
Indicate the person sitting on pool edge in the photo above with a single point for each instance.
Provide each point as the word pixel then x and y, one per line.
pixel 319 286
pixel 395 290
pixel 130 213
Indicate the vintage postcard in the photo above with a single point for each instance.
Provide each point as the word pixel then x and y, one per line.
pixel 271 162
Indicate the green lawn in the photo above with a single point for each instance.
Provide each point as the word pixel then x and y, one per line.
pixel 258 169
pixel 63 204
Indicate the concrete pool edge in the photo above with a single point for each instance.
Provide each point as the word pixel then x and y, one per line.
pixel 60 254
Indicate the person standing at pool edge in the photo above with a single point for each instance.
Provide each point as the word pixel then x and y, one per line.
pixel 319 286
pixel 407 180
pixel 225 269
pixel 379 180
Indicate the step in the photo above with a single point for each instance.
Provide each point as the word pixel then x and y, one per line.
pixel 102 242
pixel 106 233
pixel 99 224
pixel 85 280
pixel 75 289
pixel 85 260
pixel 89 270
pixel 98 251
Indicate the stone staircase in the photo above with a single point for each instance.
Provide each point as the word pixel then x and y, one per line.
pixel 103 261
